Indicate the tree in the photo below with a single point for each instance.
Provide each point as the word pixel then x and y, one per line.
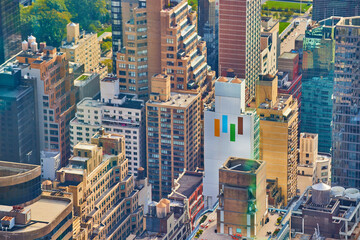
pixel 193 4
pixel 88 13
pixel 46 20
pixel 106 44
pixel 109 64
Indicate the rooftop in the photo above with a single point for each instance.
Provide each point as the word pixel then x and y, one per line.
pixel 288 55
pixel 82 39
pixel 11 169
pixel 187 183
pixel 128 102
pixel 177 100
pixel 85 146
pixel 43 212
pixel 229 80
pixel 242 165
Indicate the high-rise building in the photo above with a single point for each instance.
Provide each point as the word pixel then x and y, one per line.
pixel 18 135
pixel 208 29
pixel 131 60
pixel 242 197
pixel 175 49
pixel 278 134
pixel 346 108
pixel 82 48
pixel 239 40
pixel 323 9
pixel 172 134
pixel 105 201
pixel 47 70
pixel 231 130
pixel 26 211
pixel 313 167
pixel 118 113
pixel 318 82
pixel 269 46
pixel 120 14
pixel 10 37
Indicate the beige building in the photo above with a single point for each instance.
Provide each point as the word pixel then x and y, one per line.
pixel 172 135
pixel 105 202
pixel 82 48
pixel 278 134
pixel 313 167
pixel 131 60
pixel 175 48
pixel 269 46
pixel 242 197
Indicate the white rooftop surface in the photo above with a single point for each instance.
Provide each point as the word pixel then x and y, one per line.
pixel 86 146
pixel 88 102
pixel 45 210
pixel 177 100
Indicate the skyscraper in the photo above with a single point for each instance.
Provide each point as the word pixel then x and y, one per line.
pixel 239 40
pixel 132 59
pixel 323 9
pixel 231 130
pixel 47 71
pixel 18 141
pixel 10 37
pixel 346 109
pixel 278 134
pixel 318 82
pixel 120 14
pixel 172 135
pixel 175 49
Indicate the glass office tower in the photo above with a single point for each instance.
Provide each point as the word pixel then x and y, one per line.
pixel 346 113
pixel 10 38
pixel 317 82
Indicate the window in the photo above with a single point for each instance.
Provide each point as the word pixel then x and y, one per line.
pixel 170 40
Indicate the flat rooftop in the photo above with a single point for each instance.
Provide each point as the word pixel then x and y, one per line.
pixel 43 212
pixel 177 100
pixel 242 165
pixel 229 80
pixel 288 55
pixel 189 182
pixel 10 168
pixel 129 102
pixel 85 146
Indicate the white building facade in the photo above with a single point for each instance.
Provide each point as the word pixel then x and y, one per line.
pixel 50 163
pixel 116 112
pixel 231 130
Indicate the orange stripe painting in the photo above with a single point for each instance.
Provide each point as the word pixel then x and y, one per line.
pixel 217 127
